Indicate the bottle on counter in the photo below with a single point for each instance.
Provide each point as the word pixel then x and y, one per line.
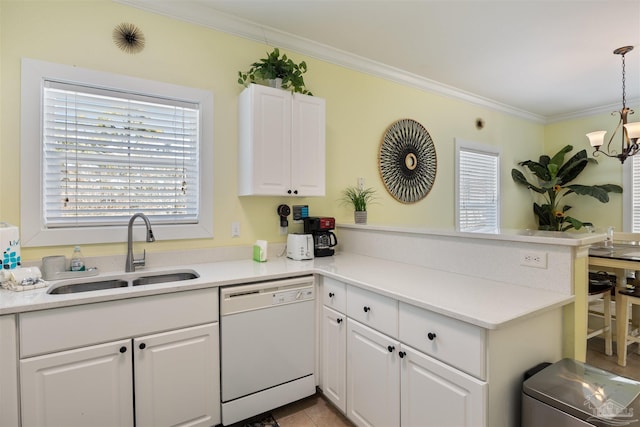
pixel 77 260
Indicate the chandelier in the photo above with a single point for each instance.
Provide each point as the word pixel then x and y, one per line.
pixel 630 131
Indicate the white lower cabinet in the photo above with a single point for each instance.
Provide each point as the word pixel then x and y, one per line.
pixel 175 383
pixel 122 363
pixel 373 377
pixel 84 387
pixel 334 357
pixel 176 378
pixel 435 394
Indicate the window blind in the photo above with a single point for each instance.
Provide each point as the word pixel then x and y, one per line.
pixel 108 154
pixel 635 195
pixel 478 191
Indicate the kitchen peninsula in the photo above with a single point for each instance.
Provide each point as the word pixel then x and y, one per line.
pixel 462 281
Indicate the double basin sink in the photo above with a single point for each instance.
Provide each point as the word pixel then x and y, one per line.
pixel 121 282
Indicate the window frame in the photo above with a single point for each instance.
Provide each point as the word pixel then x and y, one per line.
pixel 464 145
pixel 33 231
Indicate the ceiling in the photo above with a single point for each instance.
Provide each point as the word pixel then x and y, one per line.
pixel 541 59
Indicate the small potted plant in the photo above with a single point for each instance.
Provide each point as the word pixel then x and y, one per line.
pixel 359 198
pixel 279 71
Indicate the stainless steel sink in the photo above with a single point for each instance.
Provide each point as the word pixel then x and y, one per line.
pixel 121 282
pixel 89 286
pixel 165 278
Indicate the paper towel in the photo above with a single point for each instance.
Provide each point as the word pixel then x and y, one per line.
pixel 10 244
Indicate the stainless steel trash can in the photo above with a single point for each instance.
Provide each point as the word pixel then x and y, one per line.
pixel 573 394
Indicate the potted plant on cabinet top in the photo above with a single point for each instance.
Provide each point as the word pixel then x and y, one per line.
pixel 280 70
pixel 358 198
pixel 553 177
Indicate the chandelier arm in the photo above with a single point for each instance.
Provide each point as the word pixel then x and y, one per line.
pixel 615 132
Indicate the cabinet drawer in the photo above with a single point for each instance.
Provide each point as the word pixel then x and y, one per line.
pixel 334 294
pixel 65 328
pixel 452 341
pixel 374 310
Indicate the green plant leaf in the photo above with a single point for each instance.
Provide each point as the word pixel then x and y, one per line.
pixel 538 169
pixel 519 178
pixel 558 158
pixel 573 167
pixel 590 190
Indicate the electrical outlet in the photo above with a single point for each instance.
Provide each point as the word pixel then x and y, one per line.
pixel 533 259
pixel 360 183
pixel 235 229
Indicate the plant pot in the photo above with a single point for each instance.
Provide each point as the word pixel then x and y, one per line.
pixel 360 217
pixel 277 83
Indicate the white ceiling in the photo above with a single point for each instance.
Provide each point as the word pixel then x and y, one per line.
pixel 542 59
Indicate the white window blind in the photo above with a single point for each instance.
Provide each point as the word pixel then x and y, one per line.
pixel 478 190
pixel 633 194
pixel 107 155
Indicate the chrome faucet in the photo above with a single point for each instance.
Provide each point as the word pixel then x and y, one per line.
pixel 132 263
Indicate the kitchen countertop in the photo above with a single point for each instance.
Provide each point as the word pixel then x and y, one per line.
pixel 485 303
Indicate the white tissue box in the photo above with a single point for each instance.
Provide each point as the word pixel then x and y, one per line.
pixel 10 244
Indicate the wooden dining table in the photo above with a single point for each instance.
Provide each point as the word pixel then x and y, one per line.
pixel 618 259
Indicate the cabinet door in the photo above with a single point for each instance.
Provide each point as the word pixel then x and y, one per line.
pixel 85 387
pixel 264 141
pixel 334 357
pixel 177 378
pixel 373 377
pixel 435 394
pixel 308 145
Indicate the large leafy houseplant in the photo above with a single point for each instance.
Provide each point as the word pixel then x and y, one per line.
pixel 552 183
pixel 274 67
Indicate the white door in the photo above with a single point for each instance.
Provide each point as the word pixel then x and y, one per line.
pixel 373 377
pixel 265 141
pixel 85 387
pixel 435 394
pixel 308 145
pixel 334 357
pixel 177 378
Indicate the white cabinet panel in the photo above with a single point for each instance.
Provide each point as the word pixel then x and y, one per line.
pixel 86 387
pixel 434 394
pixel 176 378
pixel 308 145
pixel 281 143
pixel 334 357
pixel 452 341
pixel 334 294
pixel 374 310
pixel 9 407
pixel 373 377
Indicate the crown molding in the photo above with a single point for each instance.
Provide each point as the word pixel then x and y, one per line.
pixel 198 13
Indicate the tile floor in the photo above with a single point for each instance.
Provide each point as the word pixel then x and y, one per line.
pixel 597 358
pixel 314 411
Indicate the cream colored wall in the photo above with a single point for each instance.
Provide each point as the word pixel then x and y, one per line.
pixel 359 109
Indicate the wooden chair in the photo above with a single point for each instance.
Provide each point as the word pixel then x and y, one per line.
pixel 600 288
pixel 624 299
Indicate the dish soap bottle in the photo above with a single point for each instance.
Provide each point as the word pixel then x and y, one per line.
pixel 77 260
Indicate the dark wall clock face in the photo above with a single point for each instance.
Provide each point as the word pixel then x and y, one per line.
pixel 407 161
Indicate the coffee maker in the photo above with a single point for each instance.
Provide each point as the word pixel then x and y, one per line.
pixel 324 240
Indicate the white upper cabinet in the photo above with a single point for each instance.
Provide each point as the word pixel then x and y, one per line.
pixel 281 143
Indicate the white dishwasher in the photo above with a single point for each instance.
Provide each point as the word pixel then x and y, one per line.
pixel 267 346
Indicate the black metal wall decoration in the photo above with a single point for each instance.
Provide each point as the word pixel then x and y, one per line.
pixel 407 161
pixel 128 37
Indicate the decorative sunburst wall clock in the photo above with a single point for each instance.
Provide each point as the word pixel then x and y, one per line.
pixel 407 161
pixel 128 37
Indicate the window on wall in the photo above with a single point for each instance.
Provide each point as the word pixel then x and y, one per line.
pixel 477 187
pixel 631 195
pixel 106 147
